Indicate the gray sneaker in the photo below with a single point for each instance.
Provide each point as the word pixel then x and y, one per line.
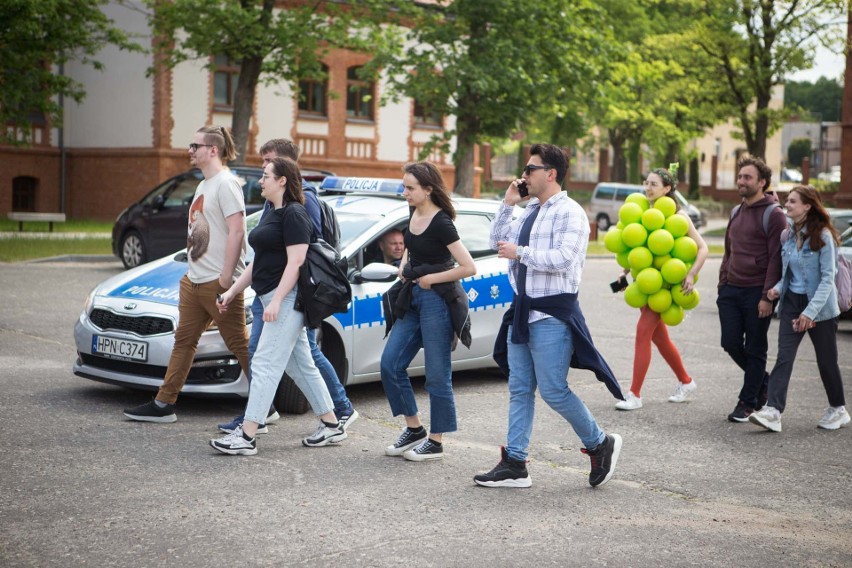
pixel 152 412
pixel 834 418
pixel 768 417
pixel 325 435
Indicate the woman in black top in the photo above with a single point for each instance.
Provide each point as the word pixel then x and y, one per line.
pixel 428 297
pixel 280 242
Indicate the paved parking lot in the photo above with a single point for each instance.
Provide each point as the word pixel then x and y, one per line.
pixel 81 485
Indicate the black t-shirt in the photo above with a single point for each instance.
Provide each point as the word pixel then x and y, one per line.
pixel 278 229
pixel 430 247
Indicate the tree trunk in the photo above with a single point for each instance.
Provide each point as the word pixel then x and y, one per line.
pixel 243 104
pixel 247 87
pixel 619 163
pixel 467 126
pixel 634 157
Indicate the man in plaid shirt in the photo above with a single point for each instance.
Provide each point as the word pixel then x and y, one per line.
pixel 546 249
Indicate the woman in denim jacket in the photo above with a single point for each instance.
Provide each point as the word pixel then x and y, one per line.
pixel 808 302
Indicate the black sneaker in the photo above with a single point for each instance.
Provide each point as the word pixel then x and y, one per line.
pixel 428 450
pixel 150 412
pixel 407 440
pixel 741 412
pixel 507 473
pixel 604 458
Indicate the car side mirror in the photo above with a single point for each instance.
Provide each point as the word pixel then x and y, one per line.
pixel 159 202
pixel 379 272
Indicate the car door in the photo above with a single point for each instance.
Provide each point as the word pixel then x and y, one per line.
pixel 167 225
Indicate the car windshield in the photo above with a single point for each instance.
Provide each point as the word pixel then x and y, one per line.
pixel 351 227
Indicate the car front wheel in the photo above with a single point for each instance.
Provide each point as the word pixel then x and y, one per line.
pixel 132 250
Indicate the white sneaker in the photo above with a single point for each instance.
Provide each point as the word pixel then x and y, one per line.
pixel 235 444
pixel 630 402
pixel 273 418
pixel 768 417
pixel 834 418
pixel 683 391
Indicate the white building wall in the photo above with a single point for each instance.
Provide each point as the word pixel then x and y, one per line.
pixel 118 108
pixel 190 101
pixel 275 112
pixel 394 121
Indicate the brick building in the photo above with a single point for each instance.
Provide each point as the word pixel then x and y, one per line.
pixel 132 131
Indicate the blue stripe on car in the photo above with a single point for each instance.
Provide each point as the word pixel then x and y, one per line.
pixel 159 285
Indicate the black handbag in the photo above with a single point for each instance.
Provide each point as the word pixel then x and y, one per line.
pixel 324 288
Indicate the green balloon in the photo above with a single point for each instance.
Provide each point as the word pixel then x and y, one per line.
pixel 622 259
pixel 674 271
pixel 672 316
pixel 639 199
pixel 659 261
pixel 613 242
pixel 630 213
pixel 685 301
pixel 649 281
pixel 661 242
pixel 633 297
pixel 667 205
pixel 640 258
pixel 677 225
pixel 653 219
pixel 660 300
pixel 685 249
pixel 634 234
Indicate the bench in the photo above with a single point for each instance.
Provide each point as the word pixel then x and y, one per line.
pixel 51 218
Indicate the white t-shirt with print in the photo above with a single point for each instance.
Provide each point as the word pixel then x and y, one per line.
pixel 215 199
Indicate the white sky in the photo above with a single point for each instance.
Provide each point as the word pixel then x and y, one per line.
pixel 826 64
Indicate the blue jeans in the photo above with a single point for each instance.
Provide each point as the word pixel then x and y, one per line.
pixel 427 324
pixel 283 346
pixel 543 363
pixel 745 336
pixel 329 375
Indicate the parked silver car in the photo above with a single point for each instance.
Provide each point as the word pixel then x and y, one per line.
pixel 125 332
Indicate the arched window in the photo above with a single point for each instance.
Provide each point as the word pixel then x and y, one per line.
pixel 313 95
pixel 360 96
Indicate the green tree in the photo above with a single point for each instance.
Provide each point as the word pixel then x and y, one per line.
pixel 494 65
pixel 821 100
pixel 271 45
pixel 37 37
pixel 754 44
pixel 799 149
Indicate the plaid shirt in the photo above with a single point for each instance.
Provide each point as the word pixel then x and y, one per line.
pixel 557 248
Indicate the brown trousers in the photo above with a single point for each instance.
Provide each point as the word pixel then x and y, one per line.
pixel 197 308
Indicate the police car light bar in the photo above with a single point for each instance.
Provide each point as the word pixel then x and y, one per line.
pixel 369 185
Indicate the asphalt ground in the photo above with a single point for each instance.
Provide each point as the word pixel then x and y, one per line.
pixel 83 486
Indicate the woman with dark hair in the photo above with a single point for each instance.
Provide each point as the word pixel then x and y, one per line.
pixel 650 328
pixel 281 235
pixel 808 302
pixel 425 309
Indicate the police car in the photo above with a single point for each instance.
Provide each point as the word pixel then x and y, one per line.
pixel 125 333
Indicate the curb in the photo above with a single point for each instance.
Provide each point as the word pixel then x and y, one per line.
pixel 74 258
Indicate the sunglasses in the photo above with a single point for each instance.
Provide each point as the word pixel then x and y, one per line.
pixel 529 168
pixel 194 147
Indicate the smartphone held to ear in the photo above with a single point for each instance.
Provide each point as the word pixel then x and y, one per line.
pixel 619 285
pixel 523 191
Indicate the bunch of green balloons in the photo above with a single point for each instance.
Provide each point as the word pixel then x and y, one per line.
pixel 652 243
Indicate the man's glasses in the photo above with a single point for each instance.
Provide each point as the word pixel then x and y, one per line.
pixel 194 147
pixel 529 168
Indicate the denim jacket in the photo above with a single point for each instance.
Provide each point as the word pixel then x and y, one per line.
pixel 819 269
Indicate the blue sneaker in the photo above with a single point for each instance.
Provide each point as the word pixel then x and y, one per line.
pixel 347 418
pixel 229 427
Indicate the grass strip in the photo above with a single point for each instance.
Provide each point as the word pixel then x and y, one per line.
pixel 16 250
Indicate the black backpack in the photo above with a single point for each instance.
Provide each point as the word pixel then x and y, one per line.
pixel 324 288
pixel 330 226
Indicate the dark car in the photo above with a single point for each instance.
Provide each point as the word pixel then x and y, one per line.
pixel 156 225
